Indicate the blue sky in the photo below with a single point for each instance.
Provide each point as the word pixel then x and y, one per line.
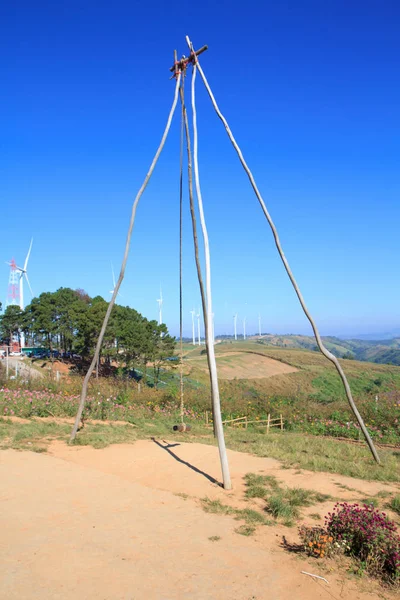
pixel 311 91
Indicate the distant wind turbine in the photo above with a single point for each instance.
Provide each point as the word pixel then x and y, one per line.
pixel 23 273
pixel 244 328
pixel 213 328
pixel 198 326
pixel 160 303
pixel 193 312
pixel 114 284
pixel 235 325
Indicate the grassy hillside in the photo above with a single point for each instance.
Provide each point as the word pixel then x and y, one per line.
pixel 301 385
pixel 314 376
pixel 383 352
pixel 311 397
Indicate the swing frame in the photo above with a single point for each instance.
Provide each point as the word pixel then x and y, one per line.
pixel 179 69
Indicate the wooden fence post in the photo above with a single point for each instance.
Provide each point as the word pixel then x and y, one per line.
pixel 281 423
pixel 268 422
pixel 206 417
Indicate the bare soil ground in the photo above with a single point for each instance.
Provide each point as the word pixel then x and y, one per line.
pixel 241 365
pixel 108 524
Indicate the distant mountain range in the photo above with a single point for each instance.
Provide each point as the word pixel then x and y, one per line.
pixel 372 336
pixel 384 351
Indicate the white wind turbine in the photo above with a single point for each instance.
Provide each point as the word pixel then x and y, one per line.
pixel 259 325
pixel 23 273
pixel 198 326
pixel 244 328
pixel 235 325
pixel 160 303
pixel 113 278
pixel 193 312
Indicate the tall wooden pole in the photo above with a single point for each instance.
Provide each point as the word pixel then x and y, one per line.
pixel 219 430
pixel 123 265
pixel 285 262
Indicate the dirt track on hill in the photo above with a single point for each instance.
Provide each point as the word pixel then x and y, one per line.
pixel 80 523
pixel 245 365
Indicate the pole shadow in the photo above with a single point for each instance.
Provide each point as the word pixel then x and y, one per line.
pixel 168 447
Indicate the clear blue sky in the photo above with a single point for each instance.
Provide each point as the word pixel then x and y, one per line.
pixel 311 90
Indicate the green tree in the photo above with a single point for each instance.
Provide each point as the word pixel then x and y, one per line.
pixel 129 331
pixel 160 346
pixel 11 323
pixel 40 319
pixel 89 325
pixel 70 311
pixel 71 320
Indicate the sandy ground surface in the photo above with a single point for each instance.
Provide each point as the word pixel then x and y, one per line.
pixel 107 524
pixel 241 365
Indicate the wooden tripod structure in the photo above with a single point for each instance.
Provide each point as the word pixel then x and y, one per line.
pixel 179 71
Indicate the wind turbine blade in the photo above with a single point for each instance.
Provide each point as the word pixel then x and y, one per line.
pixel 28 255
pixel 29 285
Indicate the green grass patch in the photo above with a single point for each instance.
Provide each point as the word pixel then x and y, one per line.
pixel 253 479
pixel 394 504
pixel 251 517
pixel 282 504
pixel 315 516
pixel 246 530
pixel 256 491
pixel 313 453
pixel 319 497
pixel 281 509
pixel 258 486
pixel 216 507
pixel 33 436
pixel 101 436
pixel 370 502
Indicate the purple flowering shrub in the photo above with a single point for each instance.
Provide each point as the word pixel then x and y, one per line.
pixel 367 535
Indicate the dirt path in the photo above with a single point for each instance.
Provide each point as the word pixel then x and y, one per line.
pixel 80 523
pixel 245 365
